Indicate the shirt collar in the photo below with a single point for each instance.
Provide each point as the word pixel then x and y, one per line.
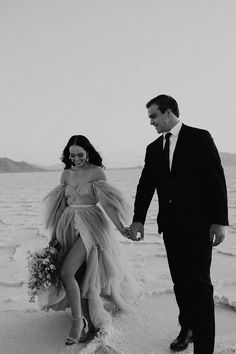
pixel 175 130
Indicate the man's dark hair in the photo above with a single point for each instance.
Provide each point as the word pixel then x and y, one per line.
pixel 165 102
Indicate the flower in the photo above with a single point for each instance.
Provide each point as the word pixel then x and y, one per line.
pixel 43 271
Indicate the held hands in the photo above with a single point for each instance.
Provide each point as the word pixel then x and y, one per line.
pixel 217 234
pixel 124 231
pixel 132 231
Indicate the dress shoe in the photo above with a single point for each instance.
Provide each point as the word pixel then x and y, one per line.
pixel 182 341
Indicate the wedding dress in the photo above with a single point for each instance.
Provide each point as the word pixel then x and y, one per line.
pixel 77 214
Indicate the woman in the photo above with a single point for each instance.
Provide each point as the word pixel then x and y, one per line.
pixel 86 239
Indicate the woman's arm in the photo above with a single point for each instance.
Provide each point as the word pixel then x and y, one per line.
pixel 60 210
pixel 64 175
pixel 113 215
pixel 110 211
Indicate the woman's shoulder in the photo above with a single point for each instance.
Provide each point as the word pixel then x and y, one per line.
pixel 64 176
pixel 97 173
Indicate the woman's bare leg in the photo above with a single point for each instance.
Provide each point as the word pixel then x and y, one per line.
pixel 80 274
pixel 71 264
pixel 85 310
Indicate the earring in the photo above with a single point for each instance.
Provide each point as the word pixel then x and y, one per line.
pixel 71 159
pixel 87 159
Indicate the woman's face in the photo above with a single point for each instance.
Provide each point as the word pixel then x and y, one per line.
pixel 78 155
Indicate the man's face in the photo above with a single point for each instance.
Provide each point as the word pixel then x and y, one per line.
pixel 161 121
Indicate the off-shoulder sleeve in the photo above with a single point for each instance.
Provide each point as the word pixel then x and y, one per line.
pixel 54 205
pixel 111 197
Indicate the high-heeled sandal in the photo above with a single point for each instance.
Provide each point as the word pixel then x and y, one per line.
pixel 71 340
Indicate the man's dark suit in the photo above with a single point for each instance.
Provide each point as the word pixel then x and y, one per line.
pixel 191 198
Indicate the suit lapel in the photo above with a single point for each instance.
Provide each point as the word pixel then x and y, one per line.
pixel 179 148
pixel 157 156
pixel 159 160
pixel 160 156
pixel 160 143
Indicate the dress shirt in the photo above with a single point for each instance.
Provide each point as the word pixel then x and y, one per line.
pixel 173 139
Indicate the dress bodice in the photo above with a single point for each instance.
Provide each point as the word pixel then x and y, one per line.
pixel 81 194
pixel 98 191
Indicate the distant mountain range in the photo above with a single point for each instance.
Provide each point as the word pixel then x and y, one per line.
pixel 228 159
pixel 8 165
pixel 11 166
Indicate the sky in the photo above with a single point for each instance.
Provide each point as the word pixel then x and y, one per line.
pixel 89 67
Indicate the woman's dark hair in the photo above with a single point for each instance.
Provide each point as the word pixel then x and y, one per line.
pixel 164 102
pixel 82 141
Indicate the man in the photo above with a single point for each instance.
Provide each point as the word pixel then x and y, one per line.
pixel 184 167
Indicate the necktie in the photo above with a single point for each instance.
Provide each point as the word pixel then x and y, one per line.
pixel 167 150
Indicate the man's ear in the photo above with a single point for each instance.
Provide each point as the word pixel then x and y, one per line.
pixel 168 112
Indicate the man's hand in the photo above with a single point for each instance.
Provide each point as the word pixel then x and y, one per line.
pixel 134 228
pixel 217 234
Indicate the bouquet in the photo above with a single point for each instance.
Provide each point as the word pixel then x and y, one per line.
pixel 43 268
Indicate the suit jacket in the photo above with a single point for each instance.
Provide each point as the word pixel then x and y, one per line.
pixel 195 189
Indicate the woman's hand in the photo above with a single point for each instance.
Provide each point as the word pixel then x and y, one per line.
pixel 123 230
pixel 52 242
pixel 54 245
pixel 136 231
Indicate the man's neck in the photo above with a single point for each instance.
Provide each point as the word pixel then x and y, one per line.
pixel 175 122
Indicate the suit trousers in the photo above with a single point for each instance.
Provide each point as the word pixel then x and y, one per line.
pixel 189 253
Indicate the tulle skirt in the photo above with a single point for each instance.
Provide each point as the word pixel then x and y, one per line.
pixel 104 271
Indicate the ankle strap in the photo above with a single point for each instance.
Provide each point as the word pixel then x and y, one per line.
pixel 77 318
pixel 81 318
